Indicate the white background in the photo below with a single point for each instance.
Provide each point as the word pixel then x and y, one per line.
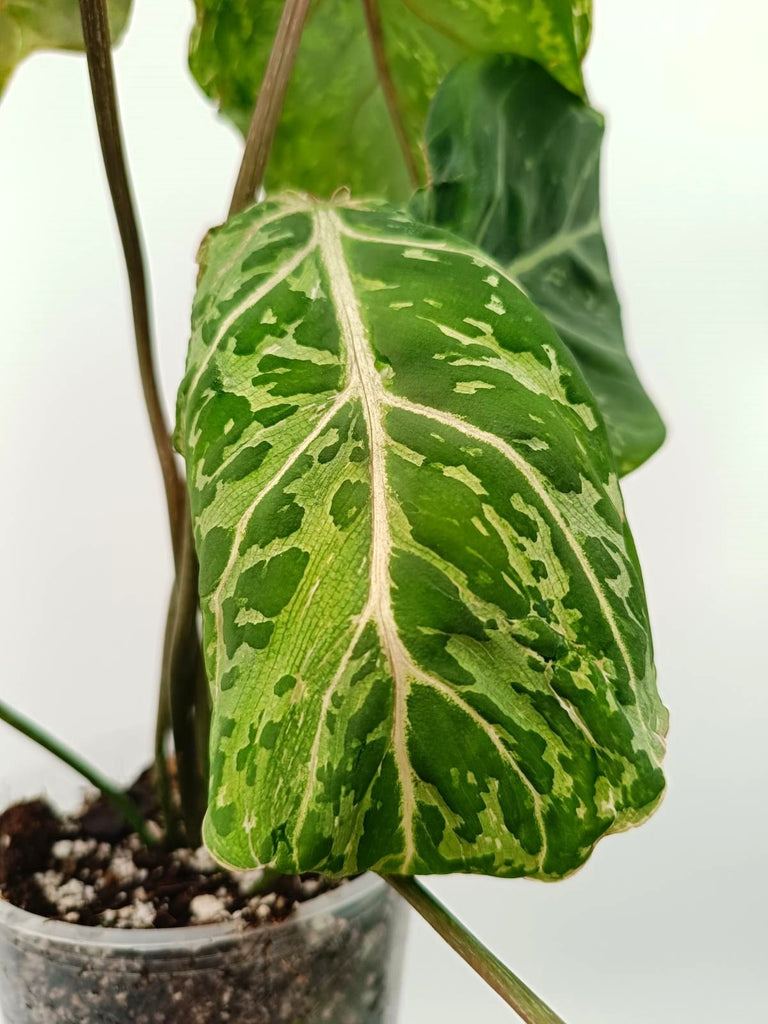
pixel 664 925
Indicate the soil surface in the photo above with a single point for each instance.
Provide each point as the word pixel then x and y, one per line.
pixel 90 869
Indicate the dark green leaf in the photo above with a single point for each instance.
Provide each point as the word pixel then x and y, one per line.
pixel 515 161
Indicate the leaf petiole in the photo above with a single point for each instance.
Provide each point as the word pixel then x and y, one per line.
pixel 512 990
pixel 121 800
pixel 95 24
pixel 388 88
pixel 269 104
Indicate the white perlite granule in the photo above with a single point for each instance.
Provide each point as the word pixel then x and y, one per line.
pixel 65 896
pixel 247 881
pixel 137 914
pixel 123 870
pixel 78 848
pixel 261 909
pixel 197 860
pixel 207 909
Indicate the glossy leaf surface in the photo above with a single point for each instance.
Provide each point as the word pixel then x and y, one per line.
pixel 424 622
pixel 515 160
pixel 29 25
pixel 336 128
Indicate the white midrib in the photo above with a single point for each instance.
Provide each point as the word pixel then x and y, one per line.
pixel 552 247
pixel 364 376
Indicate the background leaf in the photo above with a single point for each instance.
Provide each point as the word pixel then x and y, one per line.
pixel 553 32
pixel 424 620
pixel 336 129
pixel 515 162
pixel 29 25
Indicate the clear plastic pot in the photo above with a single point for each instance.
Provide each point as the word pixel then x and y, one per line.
pixel 337 959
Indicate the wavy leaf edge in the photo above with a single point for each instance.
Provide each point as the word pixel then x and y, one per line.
pixel 392 833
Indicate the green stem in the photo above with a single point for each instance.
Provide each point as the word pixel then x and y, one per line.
pixel 121 801
pixel 511 989
pixel 163 784
pixel 181 672
pixel 202 716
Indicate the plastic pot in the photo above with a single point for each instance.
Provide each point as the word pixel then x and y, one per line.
pixel 337 959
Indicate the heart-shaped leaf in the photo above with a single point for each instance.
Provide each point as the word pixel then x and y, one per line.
pixel 425 625
pixel 336 127
pixel 29 25
pixel 515 168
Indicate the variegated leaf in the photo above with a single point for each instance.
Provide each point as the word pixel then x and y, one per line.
pixel 29 25
pixel 425 626
pixel 336 127
pixel 515 168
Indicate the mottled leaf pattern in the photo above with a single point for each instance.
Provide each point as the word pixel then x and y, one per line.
pixel 424 621
pixel 555 33
pixel 515 164
pixel 335 127
pixel 29 25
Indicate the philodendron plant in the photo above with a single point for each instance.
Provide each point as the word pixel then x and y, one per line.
pixel 406 409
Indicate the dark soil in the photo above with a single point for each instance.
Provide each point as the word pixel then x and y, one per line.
pixel 90 869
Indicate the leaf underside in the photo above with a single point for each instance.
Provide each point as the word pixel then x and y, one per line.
pixel 336 129
pixel 424 622
pixel 515 168
pixel 29 25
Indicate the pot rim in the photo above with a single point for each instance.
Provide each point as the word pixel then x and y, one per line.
pixel 64 933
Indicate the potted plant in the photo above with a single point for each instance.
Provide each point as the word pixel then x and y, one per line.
pixel 407 632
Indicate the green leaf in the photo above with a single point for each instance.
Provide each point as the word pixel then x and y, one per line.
pixel 336 128
pixel 515 163
pixel 424 621
pixel 553 32
pixel 29 25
